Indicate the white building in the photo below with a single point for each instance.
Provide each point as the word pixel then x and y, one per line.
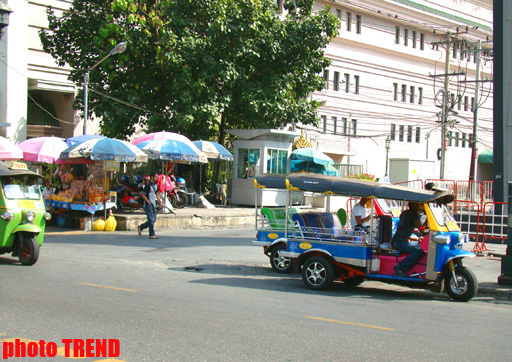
pixel 385 79
pixel 380 84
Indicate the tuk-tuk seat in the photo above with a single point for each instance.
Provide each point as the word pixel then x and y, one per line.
pixel 276 216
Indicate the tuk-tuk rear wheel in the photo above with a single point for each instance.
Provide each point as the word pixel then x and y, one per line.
pixel 28 252
pixel 466 286
pixel 318 273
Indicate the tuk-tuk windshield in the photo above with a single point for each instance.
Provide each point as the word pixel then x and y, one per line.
pixel 442 214
pixel 21 187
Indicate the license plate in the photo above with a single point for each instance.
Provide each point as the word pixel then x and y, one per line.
pixel 26 204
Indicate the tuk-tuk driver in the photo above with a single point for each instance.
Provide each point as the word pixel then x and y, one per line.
pixel 409 220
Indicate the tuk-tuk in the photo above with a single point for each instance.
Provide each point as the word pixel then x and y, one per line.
pixel 22 212
pixel 324 252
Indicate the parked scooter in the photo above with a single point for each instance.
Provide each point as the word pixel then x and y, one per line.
pixel 173 190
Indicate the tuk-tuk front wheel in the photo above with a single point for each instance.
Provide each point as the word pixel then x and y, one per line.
pixel 279 263
pixel 318 273
pixel 463 287
pixel 28 252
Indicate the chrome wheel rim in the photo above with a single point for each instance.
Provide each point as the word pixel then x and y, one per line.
pixel 461 287
pixel 316 273
pixel 280 261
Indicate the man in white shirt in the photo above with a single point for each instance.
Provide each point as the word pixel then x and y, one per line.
pixel 358 217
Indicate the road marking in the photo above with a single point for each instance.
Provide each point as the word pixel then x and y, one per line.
pixel 107 287
pixel 350 323
pixel 61 351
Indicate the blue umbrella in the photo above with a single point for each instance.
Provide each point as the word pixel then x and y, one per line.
pixel 102 149
pixel 214 150
pixel 171 150
pixel 85 137
pixel 311 155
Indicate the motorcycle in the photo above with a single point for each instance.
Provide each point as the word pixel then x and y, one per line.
pixel 173 190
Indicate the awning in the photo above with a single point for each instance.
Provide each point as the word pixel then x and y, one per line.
pixel 485 157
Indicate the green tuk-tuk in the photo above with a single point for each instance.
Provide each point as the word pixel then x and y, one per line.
pixel 22 213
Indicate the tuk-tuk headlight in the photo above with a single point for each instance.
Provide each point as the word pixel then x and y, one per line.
pixel 47 216
pixel 7 216
pixel 30 216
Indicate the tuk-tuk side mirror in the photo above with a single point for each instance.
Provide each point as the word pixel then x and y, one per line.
pixel 441 239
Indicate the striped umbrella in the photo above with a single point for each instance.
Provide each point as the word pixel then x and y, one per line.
pixel 9 151
pixel 171 150
pixel 214 150
pixel 164 135
pixel 105 149
pixel 42 149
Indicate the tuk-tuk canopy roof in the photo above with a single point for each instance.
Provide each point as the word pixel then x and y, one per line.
pixel 7 169
pixel 310 182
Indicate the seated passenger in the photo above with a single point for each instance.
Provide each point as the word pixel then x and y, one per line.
pixel 359 219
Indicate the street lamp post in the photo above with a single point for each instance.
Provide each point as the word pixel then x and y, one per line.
pixel 119 48
pixel 388 145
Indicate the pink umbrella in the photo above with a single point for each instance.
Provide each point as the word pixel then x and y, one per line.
pixel 9 151
pixel 42 149
pixel 164 135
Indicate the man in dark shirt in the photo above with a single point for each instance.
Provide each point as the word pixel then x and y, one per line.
pixel 409 220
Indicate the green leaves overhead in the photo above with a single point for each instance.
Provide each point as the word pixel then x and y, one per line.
pixel 195 67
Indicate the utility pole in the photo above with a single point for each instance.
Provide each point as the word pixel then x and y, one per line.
pixel 475 114
pixel 446 95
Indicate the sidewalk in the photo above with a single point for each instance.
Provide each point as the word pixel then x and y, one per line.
pixel 486 266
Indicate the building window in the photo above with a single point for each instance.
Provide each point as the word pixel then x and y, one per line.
pixel 395 91
pixel 473 104
pixel 393 131
pixel 463 140
pixel 248 163
pixel 412 95
pixel 345 125
pixel 339 14
pixel 347 82
pixel 409 133
pixel 420 95
pixel 335 125
pixel 324 123
pixel 356 84
pixel 404 93
pixel 276 161
pixel 406 37
pixel 456 139
pixel 326 78
pixel 418 134
pixel 459 103
pixel 466 103
pixel 336 81
pixel 422 41
pixel 354 127
pixel 358 24
pixel 401 133
pixel 349 21
pixel 397 35
pixel 452 99
pixel 450 138
pixel 414 39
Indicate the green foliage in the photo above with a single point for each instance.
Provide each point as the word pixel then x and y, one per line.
pixel 194 67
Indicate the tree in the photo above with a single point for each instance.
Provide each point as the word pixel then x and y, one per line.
pixel 197 67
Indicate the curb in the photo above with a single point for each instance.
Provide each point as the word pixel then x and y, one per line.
pixel 497 293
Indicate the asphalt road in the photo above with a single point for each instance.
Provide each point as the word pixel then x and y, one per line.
pixel 209 295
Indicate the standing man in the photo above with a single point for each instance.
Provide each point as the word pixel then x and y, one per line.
pixel 409 220
pixel 150 195
pixel 358 218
